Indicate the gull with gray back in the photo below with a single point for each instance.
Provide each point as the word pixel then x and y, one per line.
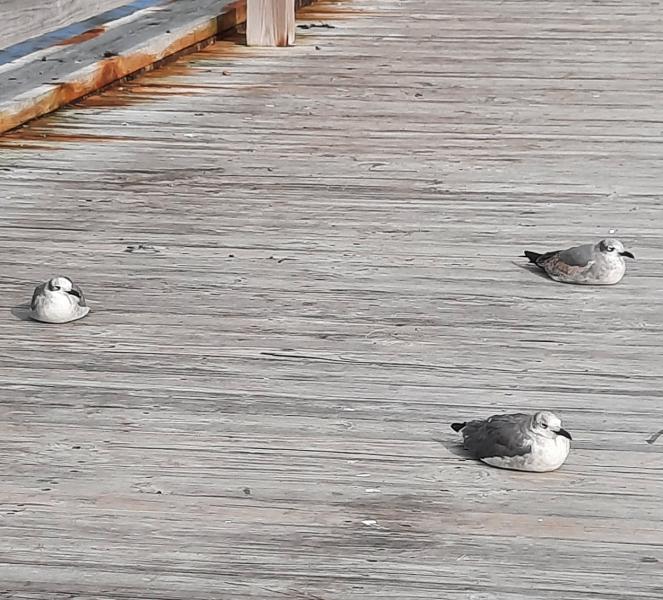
pixel 591 264
pixel 59 300
pixel 519 441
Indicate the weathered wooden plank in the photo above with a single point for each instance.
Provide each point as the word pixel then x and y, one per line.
pixel 258 406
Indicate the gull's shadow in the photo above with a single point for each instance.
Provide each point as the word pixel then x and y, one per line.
pixel 456 448
pixel 22 311
pixel 532 268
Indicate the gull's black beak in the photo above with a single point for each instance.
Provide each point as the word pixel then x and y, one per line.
pixel 563 432
pixel 626 253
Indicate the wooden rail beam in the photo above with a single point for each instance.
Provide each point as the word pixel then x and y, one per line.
pixel 270 22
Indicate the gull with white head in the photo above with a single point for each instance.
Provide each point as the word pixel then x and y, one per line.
pixel 590 264
pixel 59 300
pixel 517 441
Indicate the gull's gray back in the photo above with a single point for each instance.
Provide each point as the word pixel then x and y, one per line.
pixel 500 435
pixel 39 290
pixel 579 256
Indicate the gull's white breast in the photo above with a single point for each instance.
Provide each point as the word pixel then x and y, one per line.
pixel 547 454
pixel 58 308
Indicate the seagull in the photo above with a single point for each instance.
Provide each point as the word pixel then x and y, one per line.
pixel 591 264
pixel 518 441
pixel 59 300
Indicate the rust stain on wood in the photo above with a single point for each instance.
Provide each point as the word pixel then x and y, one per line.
pixel 83 37
pixel 325 10
pixel 231 45
pixel 148 84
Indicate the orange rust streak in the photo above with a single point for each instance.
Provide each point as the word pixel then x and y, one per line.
pixel 179 67
pixel 157 83
pixel 110 99
pixel 108 70
pixel 229 46
pixel 90 34
pixel 322 10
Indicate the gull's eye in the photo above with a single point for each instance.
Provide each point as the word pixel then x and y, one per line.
pixel 611 248
pixel 544 425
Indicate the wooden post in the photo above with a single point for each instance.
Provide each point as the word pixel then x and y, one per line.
pixel 270 22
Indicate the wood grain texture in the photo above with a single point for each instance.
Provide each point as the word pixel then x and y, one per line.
pixel 270 22
pixel 24 19
pixel 258 405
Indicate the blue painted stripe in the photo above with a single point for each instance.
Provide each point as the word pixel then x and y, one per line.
pixel 60 35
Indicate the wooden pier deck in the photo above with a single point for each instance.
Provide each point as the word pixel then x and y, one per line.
pixel 303 265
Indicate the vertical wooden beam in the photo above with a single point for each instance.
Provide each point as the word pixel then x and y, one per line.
pixel 270 22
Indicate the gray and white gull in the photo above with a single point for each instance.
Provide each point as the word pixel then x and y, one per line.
pixel 519 441
pixel 590 264
pixel 59 300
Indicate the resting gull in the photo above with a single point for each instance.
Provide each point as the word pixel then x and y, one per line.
pixel 591 264
pixel 59 300
pixel 517 441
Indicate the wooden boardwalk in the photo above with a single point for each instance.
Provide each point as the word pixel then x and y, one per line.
pixel 259 404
